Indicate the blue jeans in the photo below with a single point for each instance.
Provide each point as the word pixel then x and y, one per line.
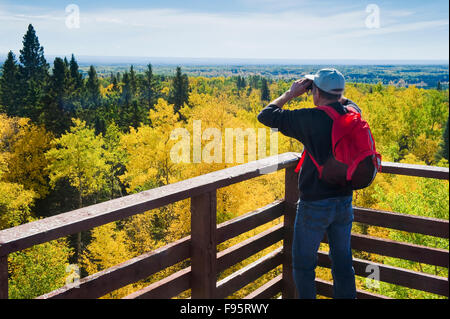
pixel 333 216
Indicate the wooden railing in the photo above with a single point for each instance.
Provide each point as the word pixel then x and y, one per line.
pixel 201 247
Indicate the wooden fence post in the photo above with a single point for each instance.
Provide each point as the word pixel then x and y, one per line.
pixel 4 277
pixel 203 246
pixel 291 197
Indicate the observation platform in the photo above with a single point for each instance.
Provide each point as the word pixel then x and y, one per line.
pixel 201 246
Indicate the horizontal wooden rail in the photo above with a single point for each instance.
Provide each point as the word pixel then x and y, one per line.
pixel 177 283
pixel 392 248
pixel 166 288
pixel 128 272
pixel 325 288
pixel 396 249
pixel 395 275
pixel 409 223
pixel 44 230
pixel 249 221
pixel 249 247
pixel 415 170
pixel 268 290
pixel 250 273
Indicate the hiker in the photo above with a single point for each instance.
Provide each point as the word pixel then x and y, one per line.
pixel 322 207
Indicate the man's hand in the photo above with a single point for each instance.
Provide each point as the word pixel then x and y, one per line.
pixel 298 88
pixel 343 100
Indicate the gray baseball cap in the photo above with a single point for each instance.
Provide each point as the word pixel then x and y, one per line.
pixel 328 80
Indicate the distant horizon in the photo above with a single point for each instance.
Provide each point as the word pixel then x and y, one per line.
pixel 160 60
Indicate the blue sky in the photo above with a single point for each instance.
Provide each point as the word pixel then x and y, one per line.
pixel 263 29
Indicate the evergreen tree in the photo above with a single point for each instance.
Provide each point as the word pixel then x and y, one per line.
pixel 75 75
pixel 56 111
pixel 265 93
pixel 126 95
pixel 75 83
pixel 240 83
pixel 93 88
pixel 443 147
pixel 131 113
pixel 90 109
pixel 66 62
pixel 254 81
pixel 33 63
pixel 125 102
pixel 60 77
pixel 33 75
pixel 179 92
pixel 149 88
pixel 114 82
pixel 133 82
pixel 9 86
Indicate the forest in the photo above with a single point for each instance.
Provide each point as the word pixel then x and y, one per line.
pixel 401 75
pixel 69 140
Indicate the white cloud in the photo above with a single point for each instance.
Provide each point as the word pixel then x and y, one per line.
pixel 177 33
pixel 397 28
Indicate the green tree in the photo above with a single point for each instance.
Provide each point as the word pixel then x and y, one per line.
pixel 79 155
pixel 9 86
pixel 115 158
pixel 240 83
pixel 93 88
pixel 57 111
pixel 114 82
pixel 75 75
pixel 33 73
pixel 131 111
pixel 265 93
pixel 91 103
pixel 179 91
pixel 443 147
pixel 149 88
pixel 33 63
pixel 126 98
pixel 38 270
pixel 133 82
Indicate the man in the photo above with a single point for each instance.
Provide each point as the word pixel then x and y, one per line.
pixel 322 207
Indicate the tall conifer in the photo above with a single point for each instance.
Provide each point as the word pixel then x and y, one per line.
pixel 179 92
pixel 93 87
pixel 33 63
pixel 75 75
pixel 33 75
pixel 9 86
pixel 265 93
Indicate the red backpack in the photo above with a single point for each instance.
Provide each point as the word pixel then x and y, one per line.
pixel 354 160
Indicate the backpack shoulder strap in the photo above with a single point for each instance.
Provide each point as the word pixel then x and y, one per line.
pixel 330 111
pixel 300 162
pixel 351 109
pixel 302 159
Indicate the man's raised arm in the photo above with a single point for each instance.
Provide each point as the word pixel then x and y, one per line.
pixel 270 115
pixel 286 121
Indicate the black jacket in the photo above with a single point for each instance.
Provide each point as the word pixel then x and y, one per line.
pixel 312 127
